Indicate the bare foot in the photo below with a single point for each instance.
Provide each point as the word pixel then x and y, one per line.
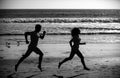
pixel 86 68
pixel 59 65
pixel 16 66
pixel 39 67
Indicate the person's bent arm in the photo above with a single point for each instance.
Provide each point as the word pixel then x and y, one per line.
pixel 83 43
pixel 70 42
pixel 26 35
pixel 43 35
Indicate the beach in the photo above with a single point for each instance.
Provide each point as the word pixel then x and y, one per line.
pixel 100 30
pixel 108 67
pixel 103 59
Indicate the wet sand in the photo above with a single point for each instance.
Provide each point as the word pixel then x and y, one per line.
pixel 62 50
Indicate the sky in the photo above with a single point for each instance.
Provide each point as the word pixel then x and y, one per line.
pixel 59 4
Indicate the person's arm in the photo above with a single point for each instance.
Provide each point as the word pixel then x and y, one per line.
pixel 70 42
pixel 43 35
pixel 82 43
pixel 26 35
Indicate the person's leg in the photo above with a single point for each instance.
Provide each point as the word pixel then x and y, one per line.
pixel 38 51
pixel 28 52
pixel 82 59
pixel 66 59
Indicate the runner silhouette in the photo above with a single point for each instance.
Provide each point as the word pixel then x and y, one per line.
pixel 34 37
pixel 74 44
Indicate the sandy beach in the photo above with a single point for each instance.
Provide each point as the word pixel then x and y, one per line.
pixel 102 59
pixel 100 68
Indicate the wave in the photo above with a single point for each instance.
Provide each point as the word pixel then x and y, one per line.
pixel 59 20
pixel 101 33
pixel 65 31
pixel 17 26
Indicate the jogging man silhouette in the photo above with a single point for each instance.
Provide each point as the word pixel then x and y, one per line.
pixel 34 37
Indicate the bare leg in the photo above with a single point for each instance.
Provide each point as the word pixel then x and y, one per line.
pixel 22 58
pixel 66 59
pixel 38 51
pixel 40 61
pixel 82 60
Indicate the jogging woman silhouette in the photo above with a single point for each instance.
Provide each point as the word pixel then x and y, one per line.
pixel 74 43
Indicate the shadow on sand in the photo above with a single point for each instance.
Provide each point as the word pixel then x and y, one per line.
pixel 60 76
pixel 11 75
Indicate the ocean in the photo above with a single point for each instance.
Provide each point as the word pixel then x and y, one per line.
pixel 38 13
pixel 59 22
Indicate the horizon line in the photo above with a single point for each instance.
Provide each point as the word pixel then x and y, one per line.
pixel 51 9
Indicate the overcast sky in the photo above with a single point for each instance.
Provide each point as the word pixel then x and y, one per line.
pixel 59 4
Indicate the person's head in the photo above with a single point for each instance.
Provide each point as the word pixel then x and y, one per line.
pixel 37 27
pixel 75 32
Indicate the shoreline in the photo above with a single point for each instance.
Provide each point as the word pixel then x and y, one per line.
pixel 99 33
